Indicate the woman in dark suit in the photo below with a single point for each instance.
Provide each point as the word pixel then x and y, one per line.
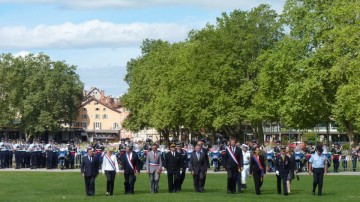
pixel 257 169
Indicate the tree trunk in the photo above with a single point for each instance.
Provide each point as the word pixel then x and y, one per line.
pixel 350 132
pixel 165 134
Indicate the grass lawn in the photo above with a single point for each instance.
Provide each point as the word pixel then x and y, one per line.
pixel 68 186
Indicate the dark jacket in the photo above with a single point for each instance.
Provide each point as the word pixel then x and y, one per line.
pixel 127 167
pixel 89 168
pixel 229 163
pixel 206 151
pixel 172 163
pixel 283 166
pixel 196 165
pixel 184 159
pixel 254 166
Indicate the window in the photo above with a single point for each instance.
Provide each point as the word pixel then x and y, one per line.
pixel 84 109
pixel 97 125
pixel 104 109
pixel 96 103
pixel 83 124
pixel 97 109
pixel 105 116
pixel 97 116
pixel 84 116
pixel 115 126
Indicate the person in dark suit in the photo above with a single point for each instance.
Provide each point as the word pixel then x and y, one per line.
pixel 130 166
pixel 282 168
pixel 233 165
pixel 184 163
pixel 90 170
pixel 172 164
pixel 198 168
pixel 206 152
pixel 257 169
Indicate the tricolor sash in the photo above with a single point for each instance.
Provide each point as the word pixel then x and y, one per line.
pixel 111 162
pixel 232 155
pixel 260 166
pixel 130 162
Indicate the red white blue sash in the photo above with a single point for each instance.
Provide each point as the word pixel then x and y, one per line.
pixel 232 155
pixel 130 162
pixel 257 161
pixel 111 162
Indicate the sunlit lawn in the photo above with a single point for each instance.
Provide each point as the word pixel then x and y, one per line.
pixel 68 186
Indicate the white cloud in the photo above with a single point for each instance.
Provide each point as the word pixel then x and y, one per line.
pixel 98 4
pixel 94 33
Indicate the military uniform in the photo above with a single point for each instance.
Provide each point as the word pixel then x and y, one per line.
pixel 336 152
pixel 282 169
pixel 2 154
pixel 184 164
pixel 72 151
pixel 172 163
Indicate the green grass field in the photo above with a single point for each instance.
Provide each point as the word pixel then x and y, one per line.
pixel 69 186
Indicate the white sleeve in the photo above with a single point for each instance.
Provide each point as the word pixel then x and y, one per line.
pixel 103 166
pixel 116 164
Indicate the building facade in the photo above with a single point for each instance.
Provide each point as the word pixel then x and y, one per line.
pixel 99 118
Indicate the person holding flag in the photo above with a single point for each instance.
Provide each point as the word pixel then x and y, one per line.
pixel 130 166
pixel 257 169
pixel 109 168
pixel 233 165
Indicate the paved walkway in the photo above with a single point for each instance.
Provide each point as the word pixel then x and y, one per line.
pixel 78 171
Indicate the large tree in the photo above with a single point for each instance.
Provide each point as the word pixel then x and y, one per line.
pixel 40 94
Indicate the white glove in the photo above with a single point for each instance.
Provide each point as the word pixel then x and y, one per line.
pixel 180 172
pixel 277 172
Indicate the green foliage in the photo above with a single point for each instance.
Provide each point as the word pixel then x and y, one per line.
pixel 39 93
pixel 309 136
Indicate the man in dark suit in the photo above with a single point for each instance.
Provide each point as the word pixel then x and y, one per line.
pixel 172 164
pixel 205 151
pixel 198 168
pixel 184 163
pixel 282 168
pixel 130 166
pixel 233 165
pixel 90 170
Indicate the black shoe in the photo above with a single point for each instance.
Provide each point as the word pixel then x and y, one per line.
pixel 285 194
pixel 229 192
pixel 319 194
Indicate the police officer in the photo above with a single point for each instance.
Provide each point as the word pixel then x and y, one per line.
pixel 22 151
pixel 49 154
pixel 336 152
pixel 2 153
pixel 43 155
pixel 318 167
pixel 33 159
pixel 72 151
pixel 184 164
pixel 16 149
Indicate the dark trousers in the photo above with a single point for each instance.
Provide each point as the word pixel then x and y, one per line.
pixel 354 160
pixel 173 182
pixel 257 181
pixel 110 178
pixel 336 165
pixel 181 178
pixel 72 160
pixel 10 159
pixel 318 174
pixel 18 159
pixel 231 179
pixel 129 183
pixel 27 159
pixel 2 159
pixel 22 158
pixel 33 160
pixel 90 185
pixel 6 162
pixel 199 181
pixel 49 163
pixel 38 159
pixel 54 159
pixel 282 177
pixel 238 181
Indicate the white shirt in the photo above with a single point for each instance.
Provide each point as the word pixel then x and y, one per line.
pixel 246 157
pixel 106 165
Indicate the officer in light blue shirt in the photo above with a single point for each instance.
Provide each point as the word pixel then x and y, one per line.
pixel 318 167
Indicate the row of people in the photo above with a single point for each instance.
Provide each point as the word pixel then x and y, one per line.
pixel 34 155
pixel 236 161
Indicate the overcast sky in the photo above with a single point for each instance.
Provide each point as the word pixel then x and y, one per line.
pixel 100 36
